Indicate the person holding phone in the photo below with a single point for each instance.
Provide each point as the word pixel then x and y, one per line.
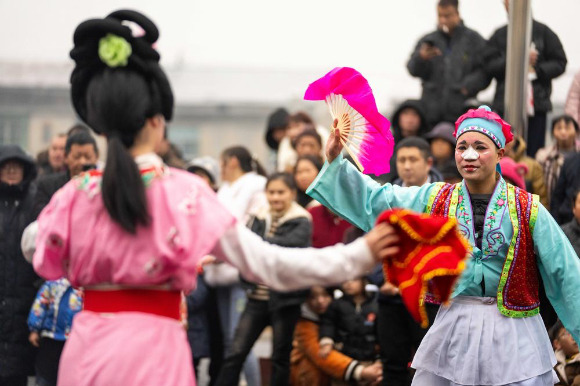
pixel 449 65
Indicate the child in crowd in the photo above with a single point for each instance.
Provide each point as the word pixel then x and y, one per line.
pixel 565 132
pixel 282 222
pixel 566 350
pixel 350 323
pixel 297 124
pixel 309 142
pixel 207 168
pixel 50 321
pixel 307 367
pixel 442 143
pixel 305 171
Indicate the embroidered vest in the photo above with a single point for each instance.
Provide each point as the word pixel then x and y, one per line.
pixel 517 293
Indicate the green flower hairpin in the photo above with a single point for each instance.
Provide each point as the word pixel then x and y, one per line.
pixel 114 50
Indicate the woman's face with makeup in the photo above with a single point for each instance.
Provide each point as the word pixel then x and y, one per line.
pixel 476 156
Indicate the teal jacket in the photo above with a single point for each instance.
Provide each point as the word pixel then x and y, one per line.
pixel 357 198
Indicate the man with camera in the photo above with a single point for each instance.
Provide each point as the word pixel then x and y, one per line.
pixel 449 64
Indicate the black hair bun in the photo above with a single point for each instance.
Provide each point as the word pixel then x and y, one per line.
pixel 129 52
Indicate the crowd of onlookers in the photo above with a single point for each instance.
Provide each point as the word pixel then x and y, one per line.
pixel 358 333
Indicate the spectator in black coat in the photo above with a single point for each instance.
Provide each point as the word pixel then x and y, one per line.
pixel 81 153
pixel 547 61
pixel 17 278
pixel 572 229
pixel 449 64
pixel 568 183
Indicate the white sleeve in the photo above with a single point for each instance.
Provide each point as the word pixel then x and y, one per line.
pixel 286 155
pixel 28 241
pixel 221 275
pixel 286 269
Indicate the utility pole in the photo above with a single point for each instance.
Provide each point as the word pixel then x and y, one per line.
pixel 516 74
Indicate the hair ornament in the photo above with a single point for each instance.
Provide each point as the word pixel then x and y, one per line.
pixel 114 50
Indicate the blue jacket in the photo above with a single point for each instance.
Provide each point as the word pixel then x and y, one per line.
pixel 52 312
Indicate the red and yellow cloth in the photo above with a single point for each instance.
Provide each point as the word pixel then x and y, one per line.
pixel 431 257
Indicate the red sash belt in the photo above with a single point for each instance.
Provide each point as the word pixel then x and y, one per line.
pixel 149 301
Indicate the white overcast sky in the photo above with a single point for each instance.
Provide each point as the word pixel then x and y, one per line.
pixel 373 36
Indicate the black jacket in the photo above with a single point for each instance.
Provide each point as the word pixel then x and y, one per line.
pixel 443 77
pixel 572 231
pixel 551 64
pixel 353 328
pixel 419 108
pixel 294 231
pixel 18 282
pixel 568 183
pixel 47 186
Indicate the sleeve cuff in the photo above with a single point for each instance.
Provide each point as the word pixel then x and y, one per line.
pixel 352 371
pixel 357 373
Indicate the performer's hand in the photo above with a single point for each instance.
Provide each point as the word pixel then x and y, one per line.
pixel 382 241
pixel 34 339
pixel 206 260
pixel 372 374
pixel 333 145
pixel 389 289
pixel 324 350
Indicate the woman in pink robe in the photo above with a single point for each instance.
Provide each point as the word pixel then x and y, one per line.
pixel 133 235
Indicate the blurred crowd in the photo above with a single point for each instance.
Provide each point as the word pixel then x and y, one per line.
pixel 358 333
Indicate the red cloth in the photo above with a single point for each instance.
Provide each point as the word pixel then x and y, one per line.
pixel 327 229
pixel 432 254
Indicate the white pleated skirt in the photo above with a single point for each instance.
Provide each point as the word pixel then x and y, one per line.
pixel 471 343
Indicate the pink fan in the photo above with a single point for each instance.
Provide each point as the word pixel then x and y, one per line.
pixel 364 132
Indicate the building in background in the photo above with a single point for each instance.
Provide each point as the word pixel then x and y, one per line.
pixel 216 107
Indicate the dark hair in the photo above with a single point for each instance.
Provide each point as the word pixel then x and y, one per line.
pixel 448 3
pixel 316 161
pixel 248 163
pixel 286 178
pixel 115 98
pixel 80 138
pixel 308 133
pixel 575 194
pixel 278 120
pixel 567 119
pixel 118 104
pixel 300 117
pixel 78 128
pixel 417 142
pixel 555 330
pixel 328 290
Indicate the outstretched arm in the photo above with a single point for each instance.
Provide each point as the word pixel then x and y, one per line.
pixel 287 269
